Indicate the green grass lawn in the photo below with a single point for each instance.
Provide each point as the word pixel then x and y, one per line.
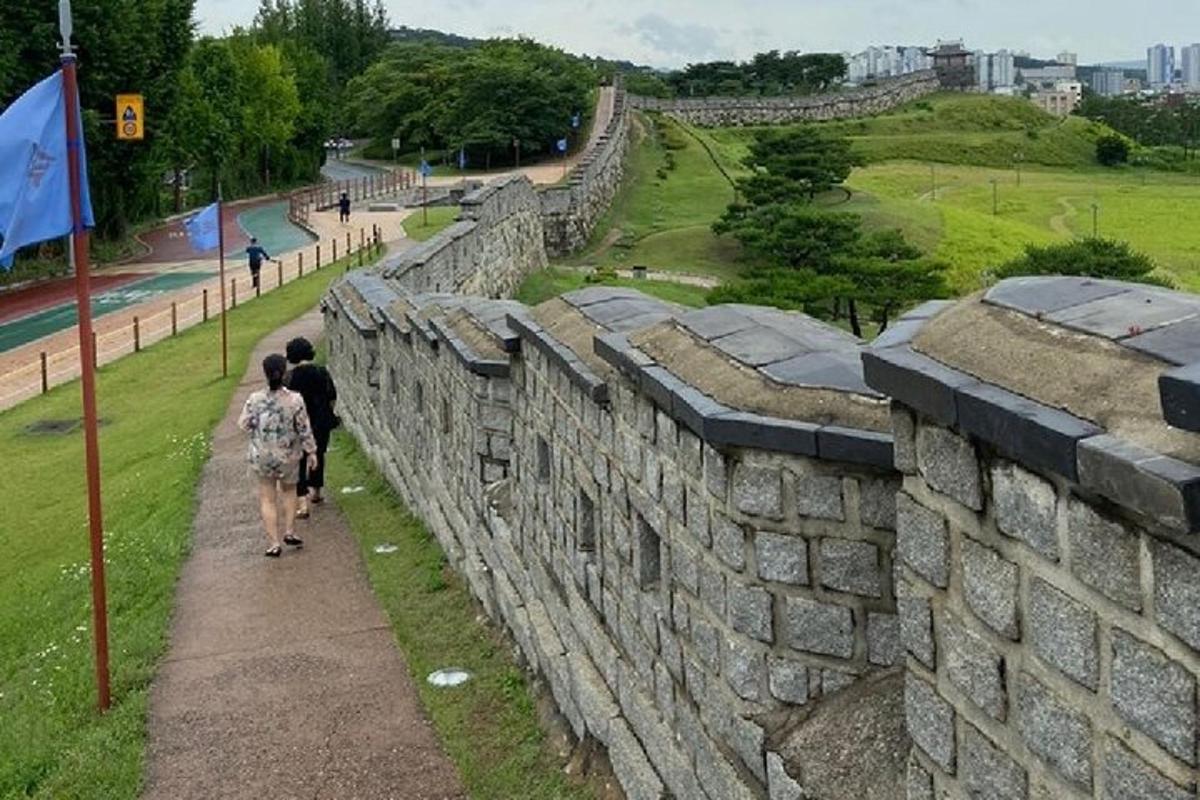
pixel 552 282
pixel 440 218
pixel 159 408
pixel 1156 212
pixel 489 725
pixel 661 216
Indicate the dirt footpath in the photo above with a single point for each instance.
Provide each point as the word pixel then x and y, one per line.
pixel 282 679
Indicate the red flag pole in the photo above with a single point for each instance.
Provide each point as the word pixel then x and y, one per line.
pixel 221 271
pixel 79 258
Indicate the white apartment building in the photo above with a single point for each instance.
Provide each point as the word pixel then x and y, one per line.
pixel 994 71
pixel 885 62
pixel 1068 58
pixel 1108 82
pixel 1190 58
pixel 1160 66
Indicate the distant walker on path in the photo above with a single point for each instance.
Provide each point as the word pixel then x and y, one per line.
pixel 280 436
pixel 257 255
pixel 344 208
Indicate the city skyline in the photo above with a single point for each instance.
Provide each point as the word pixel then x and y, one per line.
pixel 671 33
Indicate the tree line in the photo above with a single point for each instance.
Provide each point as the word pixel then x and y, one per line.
pixel 766 74
pixel 250 109
pixel 1148 122
pixel 485 100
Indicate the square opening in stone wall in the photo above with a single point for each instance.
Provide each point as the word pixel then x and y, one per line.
pixel 587 523
pixel 354 363
pixel 648 564
pixel 393 381
pixel 446 415
pixel 419 397
pixel 543 459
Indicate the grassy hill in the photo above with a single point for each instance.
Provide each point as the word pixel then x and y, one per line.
pixel 954 128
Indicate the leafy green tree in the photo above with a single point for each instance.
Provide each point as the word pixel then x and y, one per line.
pixel 769 73
pixel 793 235
pixel 888 274
pixel 792 163
pixel 1112 150
pixel 1095 258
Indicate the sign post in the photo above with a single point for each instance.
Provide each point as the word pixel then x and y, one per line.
pixel 221 273
pixel 395 150
pixel 425 171
pixel 131 118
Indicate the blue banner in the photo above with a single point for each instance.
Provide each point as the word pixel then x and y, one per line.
pixel 562 145
pixel 203 230
pixel 425 169
pixel 35 188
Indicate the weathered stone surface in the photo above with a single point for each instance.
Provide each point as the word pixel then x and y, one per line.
pixel 780 785
pixel 930 721
pixel 817 627
pixel 990 586
pixel 750 611
pixel 1155 695
pixel 987 773
pixel 1104 554
pixel 1062 632
pixel 788 680
pixel 883 639
pixel 918 783
pixel 947 462
pixel 1025 508
pixel 1127 777
pixel 781 557
pixel 974 667
pixel 729 541
pixel 916 628
pixel 1177 591
pixel 922 541
pixel 904 429
pixel 744 669
pixel 850 566
pixel 877 502
pixel 758 491
pixel 819 496
pixel 638 778
pixel 1054 731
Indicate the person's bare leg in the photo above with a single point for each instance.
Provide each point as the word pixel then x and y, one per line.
pixel 267 507
pixel 287 493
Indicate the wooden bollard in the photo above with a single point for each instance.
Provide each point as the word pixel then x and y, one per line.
pixel 335 251
pixel 279 273
pixel 361 250
pixel 318 256
pixel 233 292
pixel 137 335
pixel 45 374
pixel 300 264
pixel 95 351
pixel 362 238
pixel 204 305
pixel 174 319
pixel 349 246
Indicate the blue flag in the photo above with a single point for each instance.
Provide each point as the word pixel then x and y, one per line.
pixel 562 145
pixel 203 230
pixel 35 189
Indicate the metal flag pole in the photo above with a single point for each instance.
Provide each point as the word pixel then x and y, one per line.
pixel 79 259
pixel 221 273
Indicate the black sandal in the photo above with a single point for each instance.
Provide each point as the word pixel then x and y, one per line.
pixel 274 552
pixel 293 540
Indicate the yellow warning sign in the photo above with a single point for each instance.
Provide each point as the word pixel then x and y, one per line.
pixel 131 122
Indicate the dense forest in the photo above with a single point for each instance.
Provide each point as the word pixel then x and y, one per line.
pixel 251 109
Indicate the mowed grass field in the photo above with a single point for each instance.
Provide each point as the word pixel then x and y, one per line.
pixel 158 410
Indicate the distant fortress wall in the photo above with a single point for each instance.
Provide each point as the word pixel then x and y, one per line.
pixel 711 112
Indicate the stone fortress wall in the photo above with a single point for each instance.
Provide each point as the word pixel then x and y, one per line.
pixel 755 558
pixel 711 112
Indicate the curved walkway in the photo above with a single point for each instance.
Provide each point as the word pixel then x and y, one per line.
pixel 282 679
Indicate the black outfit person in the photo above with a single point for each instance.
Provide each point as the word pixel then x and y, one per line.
pixel 344 208
pixel 316 386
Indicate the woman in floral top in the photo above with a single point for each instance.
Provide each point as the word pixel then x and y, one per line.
pixel 280 435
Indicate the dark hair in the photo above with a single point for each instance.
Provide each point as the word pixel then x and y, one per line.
pixel 274 367
pixel 253 240
pixel 300 349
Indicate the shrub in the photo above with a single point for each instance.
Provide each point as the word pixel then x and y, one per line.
pixel 1094 258
pixel 1112 150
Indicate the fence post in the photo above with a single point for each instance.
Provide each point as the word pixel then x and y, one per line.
pixel 137 336
pixel 279 273
pixel 349 246
pixel 204 306
pixel 362 238
pixel 95 351
pixel 45 375
pixel 360 256
pixel 233 292
pixel 318 256
pixel 300 264
pixel 334 251
pixel 174 319
pixel 258 286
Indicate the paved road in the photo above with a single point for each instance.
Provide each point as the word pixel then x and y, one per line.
pixel 283 679
pixel 348 170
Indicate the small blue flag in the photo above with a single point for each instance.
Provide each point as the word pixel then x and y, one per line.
pixel 203 230
pixel 425 169
pixel 35 188
pixel 562 145
pixel 462 158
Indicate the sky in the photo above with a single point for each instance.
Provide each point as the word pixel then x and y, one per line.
pixel 671 33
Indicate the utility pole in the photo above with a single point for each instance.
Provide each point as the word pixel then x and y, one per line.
pixel 1095 220
pixel 995 198
pixel 1017 158
pixel 932 183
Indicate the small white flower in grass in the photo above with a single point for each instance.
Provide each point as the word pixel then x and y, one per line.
pixel 353 489
pixel 385 548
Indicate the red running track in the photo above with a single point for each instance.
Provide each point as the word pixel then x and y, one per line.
pixel 168 243
pixel 48 294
